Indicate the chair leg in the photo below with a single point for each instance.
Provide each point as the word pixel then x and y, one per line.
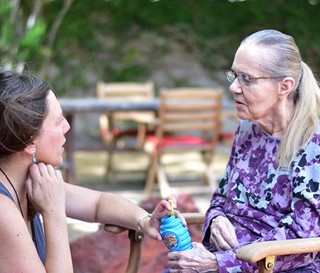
pixel 141 136
pixel 110 172
pixel 207 157
pixel 266 265
pixel 109 164
pixel 136 238
pixel 110 141
pixel 163 182
pixel 135 251
pixel 148 188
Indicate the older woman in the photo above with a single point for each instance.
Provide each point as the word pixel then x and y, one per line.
pixel 270 189
pixel 32 135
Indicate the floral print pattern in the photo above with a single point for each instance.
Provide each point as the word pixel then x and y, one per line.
pixel 265 202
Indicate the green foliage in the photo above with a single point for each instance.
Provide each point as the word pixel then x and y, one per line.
pixel 102 35
pixel 5 39
pixel 212 27
pixel 6 27
pixel 31 44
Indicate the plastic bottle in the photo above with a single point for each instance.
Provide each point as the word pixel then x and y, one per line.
pixel 175 236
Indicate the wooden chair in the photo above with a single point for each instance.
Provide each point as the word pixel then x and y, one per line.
pixel 188 120
pixel 262 253
pixel 121 125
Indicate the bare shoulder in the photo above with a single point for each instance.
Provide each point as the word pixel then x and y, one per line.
pixel 16 241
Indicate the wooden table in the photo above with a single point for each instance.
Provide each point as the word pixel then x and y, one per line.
pixel 73 106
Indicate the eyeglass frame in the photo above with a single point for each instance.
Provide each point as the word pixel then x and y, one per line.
pixel 232 75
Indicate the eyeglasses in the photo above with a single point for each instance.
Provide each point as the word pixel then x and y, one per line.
pixel 245 79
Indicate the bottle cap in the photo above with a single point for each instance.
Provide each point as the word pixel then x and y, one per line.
pixel 171 205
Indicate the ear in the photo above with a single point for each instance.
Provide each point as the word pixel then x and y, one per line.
pixel 30 149
pixel 286 87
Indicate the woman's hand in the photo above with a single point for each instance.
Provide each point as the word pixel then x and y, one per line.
pixel 197 259
pixel 45 188
pixel 152 227
pixel 222 234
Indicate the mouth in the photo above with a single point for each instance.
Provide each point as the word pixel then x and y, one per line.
pixel 237 102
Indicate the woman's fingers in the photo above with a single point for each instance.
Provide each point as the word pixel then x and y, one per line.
pixel 197 259
pixel 222 235
pixel 45 187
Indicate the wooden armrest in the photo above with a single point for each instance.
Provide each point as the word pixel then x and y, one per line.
pixel 257 251
pixel 114 229
pixel 194 217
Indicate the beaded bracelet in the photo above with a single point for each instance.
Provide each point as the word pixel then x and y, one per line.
pixel 140 219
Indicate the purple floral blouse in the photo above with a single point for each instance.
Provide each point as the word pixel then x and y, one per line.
pixel 266 203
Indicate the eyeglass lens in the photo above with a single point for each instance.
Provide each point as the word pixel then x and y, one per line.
pixel 231 76
pixel 243 78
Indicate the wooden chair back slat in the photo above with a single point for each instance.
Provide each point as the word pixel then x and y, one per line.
pixel 189 127
pixel 128 90
pixel 195 117
pixel 190 109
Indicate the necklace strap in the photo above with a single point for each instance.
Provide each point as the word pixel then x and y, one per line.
pixel 15 191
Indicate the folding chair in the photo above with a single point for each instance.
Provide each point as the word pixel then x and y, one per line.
pixel 189 120
pixel 124 125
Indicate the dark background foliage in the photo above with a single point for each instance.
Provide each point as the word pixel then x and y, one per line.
pixel 121 40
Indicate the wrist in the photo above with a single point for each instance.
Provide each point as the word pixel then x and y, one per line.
pixel 211 264
pixel 141 220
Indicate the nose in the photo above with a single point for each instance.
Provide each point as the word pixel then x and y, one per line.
pixel 66 126
pixel 235 86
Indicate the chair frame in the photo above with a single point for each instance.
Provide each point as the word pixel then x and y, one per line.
pixel 262 253
pixel 185 110
pixel 129 91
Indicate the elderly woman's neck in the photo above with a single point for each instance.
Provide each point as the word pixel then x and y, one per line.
pixel 277 124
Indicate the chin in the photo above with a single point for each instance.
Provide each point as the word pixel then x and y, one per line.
pixel 60 163
pixel 243 116
pixel 55 163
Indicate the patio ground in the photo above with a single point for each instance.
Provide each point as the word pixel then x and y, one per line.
pixel 94 250
pixel 131 174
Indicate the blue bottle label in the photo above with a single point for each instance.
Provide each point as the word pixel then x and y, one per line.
pixel 170 241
